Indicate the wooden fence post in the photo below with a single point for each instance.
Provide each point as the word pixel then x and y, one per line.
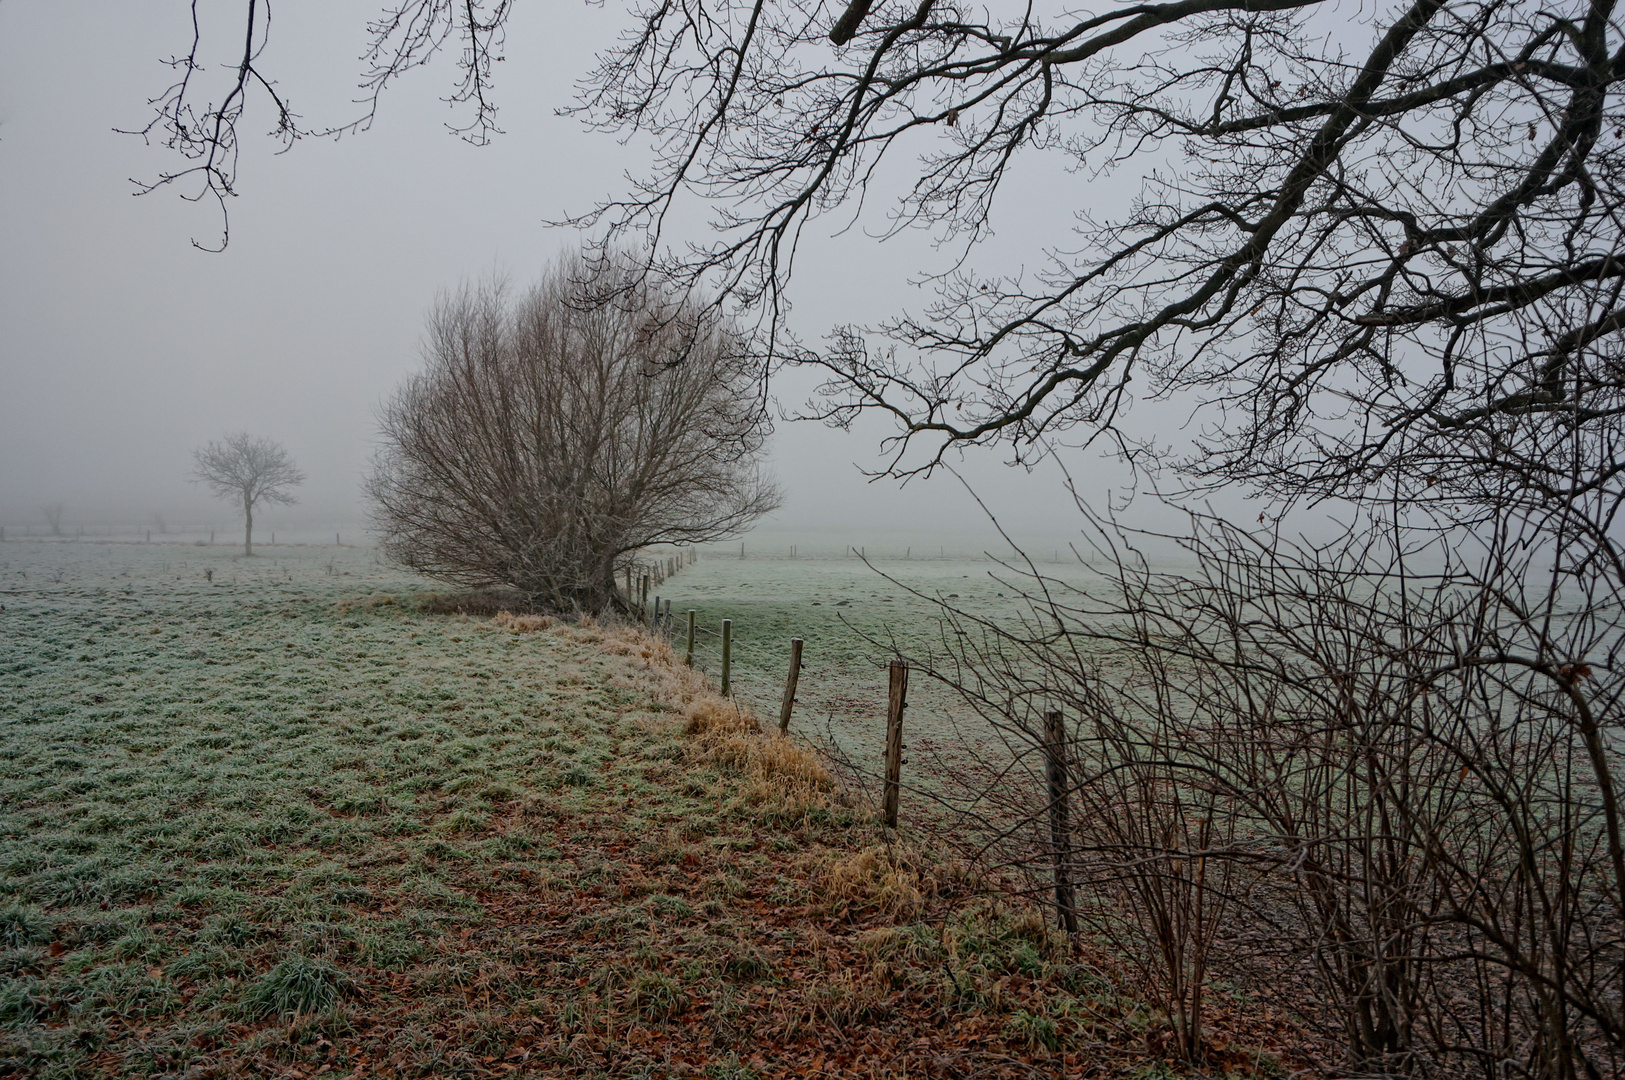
pixel 894 739
pixel 790 686
pixel 665 617
pixel 688 658
pixel 643 600
pixel 1059 832
pixel 727 654
pixel 652 616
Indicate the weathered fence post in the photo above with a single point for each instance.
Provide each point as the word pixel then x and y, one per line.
pixel 665 617
pixel 727 655
pixel 1059 832
pixel 688 657
pixel 790 686
pixel 894 739
pixel 652 616
pixel 643 600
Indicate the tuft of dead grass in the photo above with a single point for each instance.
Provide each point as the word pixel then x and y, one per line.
pixel 366 603
pixel 523 624
pixel 893 878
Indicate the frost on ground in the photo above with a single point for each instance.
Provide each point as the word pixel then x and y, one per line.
pixel 275 820
pixel 853 619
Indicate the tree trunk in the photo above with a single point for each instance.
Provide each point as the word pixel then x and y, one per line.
pixel 248 527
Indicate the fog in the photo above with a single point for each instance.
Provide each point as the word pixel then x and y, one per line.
pixel 123 347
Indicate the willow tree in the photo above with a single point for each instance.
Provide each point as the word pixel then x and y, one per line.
pixel 552 434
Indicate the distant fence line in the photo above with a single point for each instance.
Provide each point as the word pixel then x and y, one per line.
pixel 352 535
pixel 639 576
pixel 230 535
pixel 888 552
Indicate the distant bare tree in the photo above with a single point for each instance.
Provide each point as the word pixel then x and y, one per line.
pixel 53 518
pixel 249 470
pixel 553 435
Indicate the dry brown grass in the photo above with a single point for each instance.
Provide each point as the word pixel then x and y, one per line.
pixel 523 624
pixel 376 600
pixel 896 878
pixel 780 774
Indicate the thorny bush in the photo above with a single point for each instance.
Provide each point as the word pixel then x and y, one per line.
pixel 1374 779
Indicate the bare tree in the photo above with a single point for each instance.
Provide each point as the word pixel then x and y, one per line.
pixel 53 518
pixel 1368 245
pixel 556 433
pixel 1357 244
pixel 248 470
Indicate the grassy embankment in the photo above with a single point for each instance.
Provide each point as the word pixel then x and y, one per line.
pixel 254 829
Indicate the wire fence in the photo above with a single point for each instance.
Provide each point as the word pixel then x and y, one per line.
pixel 198 535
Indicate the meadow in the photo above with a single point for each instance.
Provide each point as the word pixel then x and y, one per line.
pixel 284 816
pixel 853 617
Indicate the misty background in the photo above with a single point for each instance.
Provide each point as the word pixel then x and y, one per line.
pixel 123 347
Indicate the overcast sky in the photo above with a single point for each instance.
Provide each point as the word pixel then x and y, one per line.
pixel 122 347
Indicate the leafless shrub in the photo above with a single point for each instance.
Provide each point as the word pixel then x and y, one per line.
pixel 53 518
pixel 1375 763
pixel 553 436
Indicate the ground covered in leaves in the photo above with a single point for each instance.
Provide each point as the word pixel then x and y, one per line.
pixel 271 817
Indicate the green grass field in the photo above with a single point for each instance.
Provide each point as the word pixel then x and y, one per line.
pixel 853 621
pixel 282 822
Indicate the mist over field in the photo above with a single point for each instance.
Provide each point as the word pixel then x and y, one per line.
pixel 124 347
pixel 812 538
